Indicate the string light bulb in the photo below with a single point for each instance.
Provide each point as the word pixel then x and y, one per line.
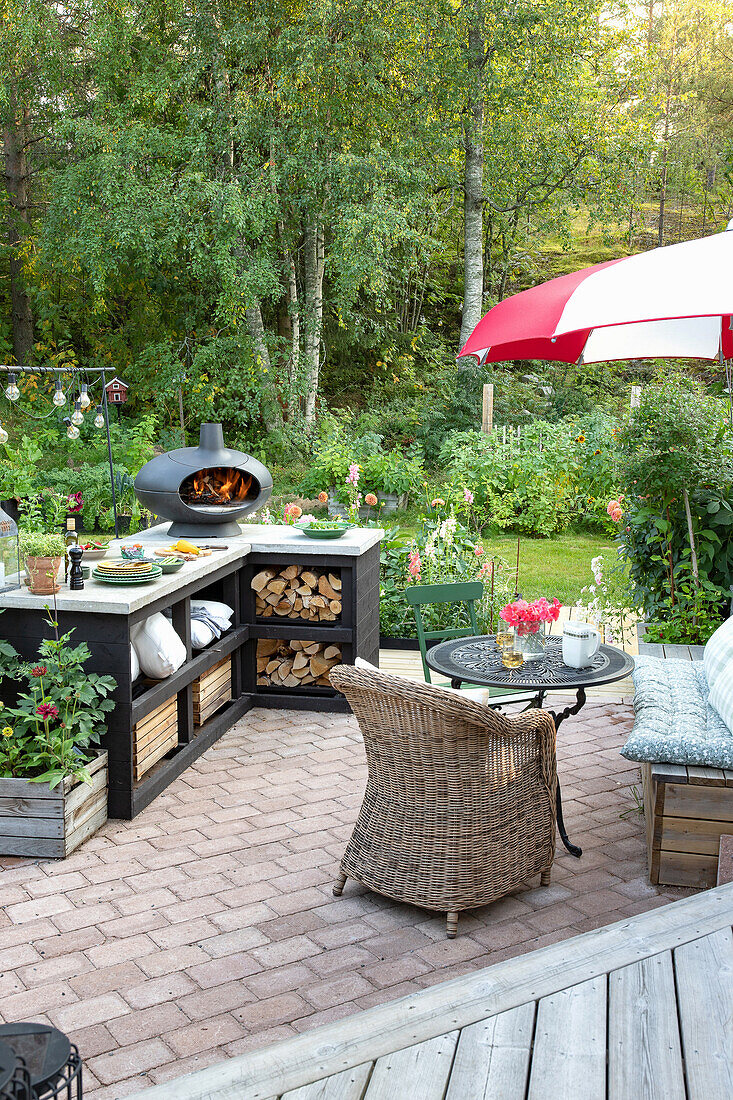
pixel 84 398
pixel 59 397
pixel 99 418
pixel 72 431
pixel 77 417
pixel 12 391
pixel 3 435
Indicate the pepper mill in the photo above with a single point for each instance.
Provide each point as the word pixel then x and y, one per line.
pixel 76 577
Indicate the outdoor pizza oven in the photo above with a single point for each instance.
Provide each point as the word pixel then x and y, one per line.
pixel 204 489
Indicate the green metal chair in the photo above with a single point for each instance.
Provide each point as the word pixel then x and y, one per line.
pixel 459 592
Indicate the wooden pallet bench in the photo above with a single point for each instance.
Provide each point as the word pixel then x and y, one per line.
pixel 687 809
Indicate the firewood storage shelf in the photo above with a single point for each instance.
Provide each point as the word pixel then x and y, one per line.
pixel 95 618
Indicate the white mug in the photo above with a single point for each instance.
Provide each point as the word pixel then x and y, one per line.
pixel 580 643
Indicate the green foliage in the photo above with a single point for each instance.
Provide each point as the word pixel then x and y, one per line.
pixel 60 716
pixel 379 471
pixel 678 445
pixel 442 552
pixel 18 468
pixel 39 545
pixel 530 486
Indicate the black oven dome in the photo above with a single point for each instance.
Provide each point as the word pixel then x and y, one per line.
pixel 158 486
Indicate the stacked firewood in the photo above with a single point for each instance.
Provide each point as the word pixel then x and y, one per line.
pixel 298 593
pixel 295 664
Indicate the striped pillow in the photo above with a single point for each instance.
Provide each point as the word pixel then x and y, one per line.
pixel 718 665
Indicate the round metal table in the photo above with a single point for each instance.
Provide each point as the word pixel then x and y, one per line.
pixel 477 660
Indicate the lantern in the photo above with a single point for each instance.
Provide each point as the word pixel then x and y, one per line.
pixel 9 553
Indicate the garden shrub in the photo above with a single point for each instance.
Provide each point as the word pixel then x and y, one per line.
pixel 382 471
pixel 528 489
pixel 677 457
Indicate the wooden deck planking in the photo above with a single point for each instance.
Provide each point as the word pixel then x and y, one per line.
pixel 397 1042
pixel 704 970
pixel 492 1059
pixel 644 1052
pixel 421 1070
pixel 570 1043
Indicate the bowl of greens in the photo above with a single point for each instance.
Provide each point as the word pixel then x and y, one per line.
pixel 330 528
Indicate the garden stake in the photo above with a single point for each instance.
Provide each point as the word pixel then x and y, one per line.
pixel 491 613
pixel 516 580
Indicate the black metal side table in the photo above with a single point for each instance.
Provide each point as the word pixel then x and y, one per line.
pixel 477 660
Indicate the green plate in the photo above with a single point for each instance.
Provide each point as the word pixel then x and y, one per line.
pixel 327 533
pixel 151 575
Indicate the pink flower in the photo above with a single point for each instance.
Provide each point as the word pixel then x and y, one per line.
pixel 612 506
pixel 39 670
pixel 479 551
pixel 47 710
pixel 353 476
pixel 371 500
pixel 414 565
pixel 437 503
pixel 291 512
pixel 468 496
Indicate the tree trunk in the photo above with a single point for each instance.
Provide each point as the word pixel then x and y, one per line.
pixel 272 415
pixel 15 137
pixel 691 536
pixel 313 264
pixel 473 186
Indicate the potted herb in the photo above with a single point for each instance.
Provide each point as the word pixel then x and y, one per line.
pixel 43 555
pixel 50 765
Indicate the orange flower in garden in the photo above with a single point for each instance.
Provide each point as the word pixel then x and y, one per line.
pixel 291 512
pixel 323 497
pixel 371 500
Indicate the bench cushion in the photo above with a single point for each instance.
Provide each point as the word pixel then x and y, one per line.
pixel 675 721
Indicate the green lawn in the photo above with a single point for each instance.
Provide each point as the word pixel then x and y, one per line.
pixel 553 567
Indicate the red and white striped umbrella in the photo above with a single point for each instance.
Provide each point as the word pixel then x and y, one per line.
pixel 672 302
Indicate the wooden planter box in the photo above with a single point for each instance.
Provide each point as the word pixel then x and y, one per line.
pixel 154 735
pixel 686 809
pixel 39 822
pixel 211 691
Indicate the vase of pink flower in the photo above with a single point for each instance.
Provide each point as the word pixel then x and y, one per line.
pixel 530 622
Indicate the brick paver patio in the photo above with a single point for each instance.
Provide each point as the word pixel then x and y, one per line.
pixel 206 927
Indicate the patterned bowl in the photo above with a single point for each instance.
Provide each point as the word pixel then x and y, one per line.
pixel 132 553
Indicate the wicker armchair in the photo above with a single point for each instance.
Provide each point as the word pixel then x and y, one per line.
pixel 459 807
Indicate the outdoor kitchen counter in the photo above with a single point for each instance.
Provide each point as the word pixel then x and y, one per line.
pixel 160 726
pixel 107 599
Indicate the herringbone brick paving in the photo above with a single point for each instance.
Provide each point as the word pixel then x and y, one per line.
pixel 206 927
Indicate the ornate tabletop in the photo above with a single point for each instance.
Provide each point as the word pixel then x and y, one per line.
pixel 478 660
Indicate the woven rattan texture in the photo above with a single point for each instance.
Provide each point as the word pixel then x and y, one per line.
pixel 459 807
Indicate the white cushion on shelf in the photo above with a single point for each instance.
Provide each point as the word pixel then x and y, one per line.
pixel 201 634
pixel 221 613
pixel 159 649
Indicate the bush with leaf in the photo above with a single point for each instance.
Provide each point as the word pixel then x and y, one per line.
pixel 60 714
pixel 677 476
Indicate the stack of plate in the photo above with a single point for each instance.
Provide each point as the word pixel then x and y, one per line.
pixel 120 571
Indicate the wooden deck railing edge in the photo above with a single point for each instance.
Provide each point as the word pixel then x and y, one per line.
pixel 368 1035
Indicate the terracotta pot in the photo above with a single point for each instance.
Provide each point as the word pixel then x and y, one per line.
pixel 43 574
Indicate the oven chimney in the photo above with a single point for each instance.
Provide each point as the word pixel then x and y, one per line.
pixel 211 437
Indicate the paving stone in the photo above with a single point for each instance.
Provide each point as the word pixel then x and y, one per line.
pixel 135 1059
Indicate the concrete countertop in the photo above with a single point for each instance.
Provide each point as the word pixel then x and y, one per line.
pixel 100 598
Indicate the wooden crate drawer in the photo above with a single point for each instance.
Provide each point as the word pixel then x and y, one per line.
pixel 154 736
pixel 687 809
pixel 211 691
